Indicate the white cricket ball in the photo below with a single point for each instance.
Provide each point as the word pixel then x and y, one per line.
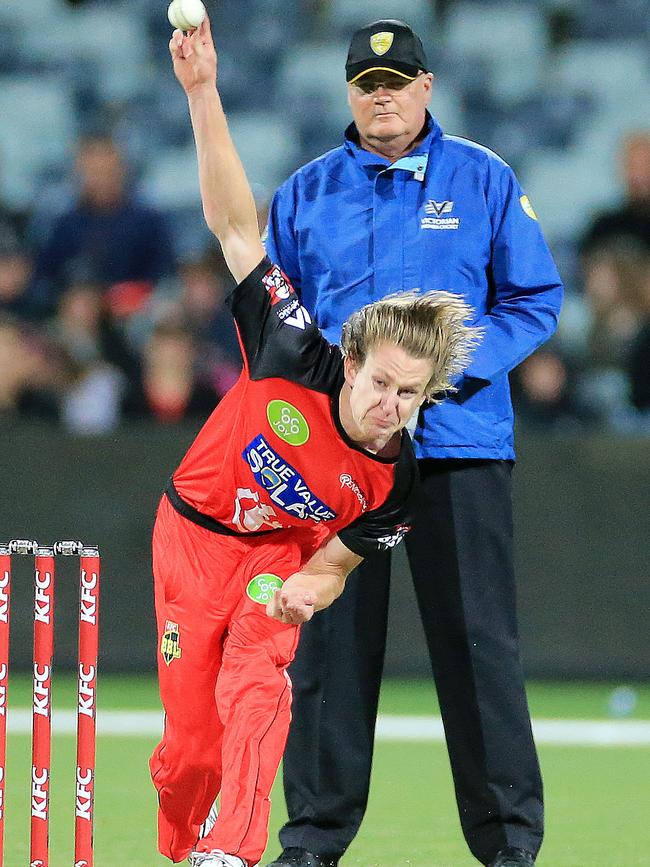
pixel 186 14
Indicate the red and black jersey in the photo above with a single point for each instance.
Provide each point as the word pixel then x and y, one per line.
pixel 273 455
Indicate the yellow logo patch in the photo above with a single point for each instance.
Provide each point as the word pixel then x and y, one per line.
pixel 381 42
pixel 528 208
pixel 170 646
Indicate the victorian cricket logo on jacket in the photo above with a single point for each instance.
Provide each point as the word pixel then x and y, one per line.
pixel 437 221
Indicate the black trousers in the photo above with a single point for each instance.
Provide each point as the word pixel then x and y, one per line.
pixel 460 553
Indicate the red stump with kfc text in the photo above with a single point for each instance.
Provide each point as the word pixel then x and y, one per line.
pixel 42 704
pixel 86 705
pixel 44 606
pixel 5 597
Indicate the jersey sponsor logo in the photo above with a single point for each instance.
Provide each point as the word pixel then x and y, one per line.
pixel 281 291
pixel 170 645
pixel 284 484
pixel 395 538
pixel 381 42
pixel 295 314
pixel 347 481
pixel 262 587
pixel 289 309
pixel 287 422
pixel 524 201
pixel 437 221
pixel 277 285
pixel 250 515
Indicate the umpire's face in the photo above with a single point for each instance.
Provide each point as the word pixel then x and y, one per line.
pixel 388 109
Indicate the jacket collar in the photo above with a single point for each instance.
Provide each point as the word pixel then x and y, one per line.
pixel 366 158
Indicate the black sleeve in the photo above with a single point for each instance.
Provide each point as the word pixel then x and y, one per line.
pixel 276 333
pixel 386 526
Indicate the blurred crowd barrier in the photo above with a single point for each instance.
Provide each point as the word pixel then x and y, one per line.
pixel 111 290
pixel 582 547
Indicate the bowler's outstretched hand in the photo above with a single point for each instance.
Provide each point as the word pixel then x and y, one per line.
pixel 292 605
pixel 194 57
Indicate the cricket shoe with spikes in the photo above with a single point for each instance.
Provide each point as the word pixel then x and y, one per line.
pixel 512 856
pixel 294 856
pixel 215 858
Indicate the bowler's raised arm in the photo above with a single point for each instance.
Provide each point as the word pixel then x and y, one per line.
pixel 228 203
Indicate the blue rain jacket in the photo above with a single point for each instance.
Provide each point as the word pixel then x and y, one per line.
pixel 349 228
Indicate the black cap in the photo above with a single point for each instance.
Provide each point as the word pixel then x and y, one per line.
pixel 387 45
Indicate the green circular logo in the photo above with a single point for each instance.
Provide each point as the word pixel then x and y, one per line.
pixel 288 422
pixel 262 587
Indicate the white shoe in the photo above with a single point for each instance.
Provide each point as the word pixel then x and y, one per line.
pixel 210 819
pixel 215 858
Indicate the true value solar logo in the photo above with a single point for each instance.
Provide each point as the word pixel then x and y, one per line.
pixel 284 484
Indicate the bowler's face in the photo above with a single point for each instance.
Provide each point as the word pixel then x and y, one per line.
pixel 385 392
pixel 386 106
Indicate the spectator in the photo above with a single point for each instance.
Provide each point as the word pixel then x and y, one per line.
pixel 95 357
pixel 543 393
pixel 28 382
pixel 123 240
pixel 12 219
pixel 639 360
pixel 85 327
pixel 91 400
pixel 204 284
pixel 195 300
pixel 15 272
pixel 627 224
pixel 613 290
pixel 169 389
pixel 616 262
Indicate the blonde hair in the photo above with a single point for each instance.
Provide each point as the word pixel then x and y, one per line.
pixel 424 324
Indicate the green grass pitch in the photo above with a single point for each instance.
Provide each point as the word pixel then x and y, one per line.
pixel 597 797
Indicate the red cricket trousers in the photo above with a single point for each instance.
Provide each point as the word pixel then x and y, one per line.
pixel 223 684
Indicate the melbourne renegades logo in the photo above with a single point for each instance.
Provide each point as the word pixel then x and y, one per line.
pixel 278 285
pixel 282 292
pixel 347 481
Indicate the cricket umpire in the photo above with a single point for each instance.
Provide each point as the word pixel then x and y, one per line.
pixel 402 204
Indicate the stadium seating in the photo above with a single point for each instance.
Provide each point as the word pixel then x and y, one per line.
pixel 554 110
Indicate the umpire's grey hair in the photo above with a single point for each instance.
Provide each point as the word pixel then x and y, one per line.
pixel 425 325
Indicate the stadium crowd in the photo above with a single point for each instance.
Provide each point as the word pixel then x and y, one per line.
pixel 108 313
pixel 101 322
